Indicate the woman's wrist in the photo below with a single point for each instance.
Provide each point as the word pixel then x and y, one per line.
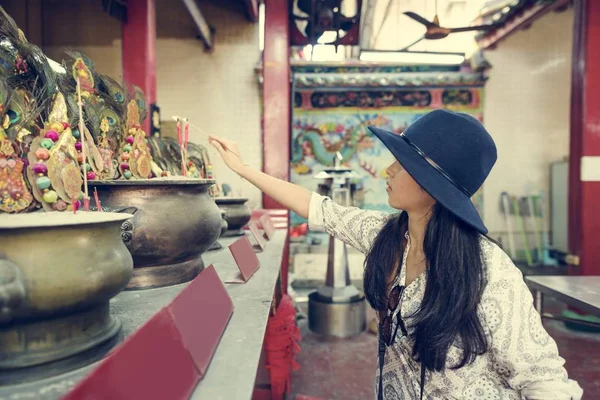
pixel 240 170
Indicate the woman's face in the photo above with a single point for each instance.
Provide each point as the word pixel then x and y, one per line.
pixel 404 193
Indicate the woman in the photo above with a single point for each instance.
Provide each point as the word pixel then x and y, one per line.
pixel 456 320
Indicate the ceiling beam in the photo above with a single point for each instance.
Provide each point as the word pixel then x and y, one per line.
pixel 376 5
pixel 521 20
pixel 206 32
pixel 368 20
pixel 251 7
pixel 116 9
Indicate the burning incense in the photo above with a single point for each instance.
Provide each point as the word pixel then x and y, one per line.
pixel 86 199
pixel 97 200
pixel 185 144
pixel 180 142
pixel 187 133
pixel 206 135
pixel 178 130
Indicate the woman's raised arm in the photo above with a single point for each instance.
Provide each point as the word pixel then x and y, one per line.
pixel 354 226
pixel 291 196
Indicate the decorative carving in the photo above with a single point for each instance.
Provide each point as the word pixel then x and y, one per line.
pixel 54 170
pixel 376 98
pixel 364 80
pixel 462 97
pixel 14 194
pixel 135 160
pixel 325 68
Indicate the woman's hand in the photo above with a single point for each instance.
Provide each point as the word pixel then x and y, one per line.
pixel 291 196
pixel 229 152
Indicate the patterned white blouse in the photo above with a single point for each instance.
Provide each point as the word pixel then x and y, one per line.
pixel 523 360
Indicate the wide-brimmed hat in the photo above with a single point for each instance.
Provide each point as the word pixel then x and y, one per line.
pixel 450 155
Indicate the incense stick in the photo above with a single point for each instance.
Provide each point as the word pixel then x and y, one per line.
pixel 207 136
pixel 184 146
pixel 97 200
pixel 86 199
pixel 180 142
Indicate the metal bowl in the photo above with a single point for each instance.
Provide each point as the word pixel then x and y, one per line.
pixel 238 214
pixel 175 221
pixel 58 272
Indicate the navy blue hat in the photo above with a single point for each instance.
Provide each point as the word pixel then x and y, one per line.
pixel 449 154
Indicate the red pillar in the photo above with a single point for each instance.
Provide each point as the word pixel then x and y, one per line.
pixel 276 94
pixel 436 98
pixel 139 50
pixel 584 158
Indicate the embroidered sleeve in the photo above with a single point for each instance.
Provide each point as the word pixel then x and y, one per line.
pixel 522 351
pixel 357 228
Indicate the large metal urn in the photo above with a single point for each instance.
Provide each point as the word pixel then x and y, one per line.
pixel 238 214
pixel 175 221
pixel 338 308
pixel 58 272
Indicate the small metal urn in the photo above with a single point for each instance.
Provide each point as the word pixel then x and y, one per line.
pixel 338 308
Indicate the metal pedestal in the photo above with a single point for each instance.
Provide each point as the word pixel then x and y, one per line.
pixel 336 319
pixel 337 309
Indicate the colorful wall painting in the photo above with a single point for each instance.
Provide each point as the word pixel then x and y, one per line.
pixel 327 120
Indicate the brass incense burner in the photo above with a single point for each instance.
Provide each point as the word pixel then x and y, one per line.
pixel 175 221
pixel 237 215
pixel 58 272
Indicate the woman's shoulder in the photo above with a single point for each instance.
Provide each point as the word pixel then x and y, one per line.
pixel 497 264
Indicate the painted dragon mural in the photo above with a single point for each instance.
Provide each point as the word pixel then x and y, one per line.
pixel 319 133
pixel 323 141
pixel 334 105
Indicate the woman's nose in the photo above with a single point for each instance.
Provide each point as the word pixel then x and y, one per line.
pixel 389 171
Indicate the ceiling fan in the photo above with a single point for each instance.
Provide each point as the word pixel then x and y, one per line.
pixel 435 31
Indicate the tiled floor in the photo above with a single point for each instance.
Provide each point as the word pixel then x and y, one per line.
pixel 344 369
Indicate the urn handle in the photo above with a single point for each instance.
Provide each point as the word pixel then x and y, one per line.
pixel 127 227
pixel 12 289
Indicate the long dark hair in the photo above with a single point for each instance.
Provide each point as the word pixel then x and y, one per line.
pixel 455 283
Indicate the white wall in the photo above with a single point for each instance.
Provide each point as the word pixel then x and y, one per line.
pixel 217 91
pixel 82 25
pixel 526 109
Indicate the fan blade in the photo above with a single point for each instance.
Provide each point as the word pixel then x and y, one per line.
pixel 470 28
pixel 346 23
pixel 308 30
pixel 420 19
pixel 305 6
pixel 412 44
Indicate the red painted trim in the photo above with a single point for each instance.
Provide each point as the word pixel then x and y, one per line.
pixel 584 214
pixel 279 218
pixel 520 21
pixel 285 264
pixel 276 95
pixel 590 191
pixel 139 49
pixel 436 98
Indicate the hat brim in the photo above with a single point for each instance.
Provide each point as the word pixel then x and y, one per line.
pixel 431 180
